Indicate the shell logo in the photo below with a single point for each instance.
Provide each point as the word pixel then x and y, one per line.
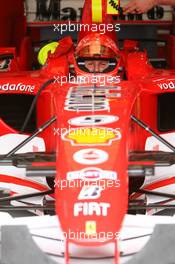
pixel 92 136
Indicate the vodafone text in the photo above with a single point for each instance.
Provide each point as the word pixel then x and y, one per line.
pixel 17 87
pixel 167 86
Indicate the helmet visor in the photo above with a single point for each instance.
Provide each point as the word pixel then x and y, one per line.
pixel 97 65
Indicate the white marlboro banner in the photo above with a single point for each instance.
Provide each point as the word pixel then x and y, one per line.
pixel 48 10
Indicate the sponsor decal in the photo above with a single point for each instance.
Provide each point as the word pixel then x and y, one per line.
pixel 87 108
pixel 90 156
pixel 80 99
pixel 91 174
pixel 49 10
pixel 92 136
pixel 17 87
pixel 90 192
pixel 91 208
pixel 90 227
pixel 92 120
pixel 167 86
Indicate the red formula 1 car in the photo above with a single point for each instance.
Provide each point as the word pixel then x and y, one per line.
pixel 94 129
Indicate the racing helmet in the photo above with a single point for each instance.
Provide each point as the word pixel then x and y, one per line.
pixel 97 47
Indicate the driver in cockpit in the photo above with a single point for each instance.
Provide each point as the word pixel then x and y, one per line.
pixel 96 65
pixel 95 54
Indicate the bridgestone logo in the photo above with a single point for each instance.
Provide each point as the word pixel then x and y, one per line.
pixel 17 87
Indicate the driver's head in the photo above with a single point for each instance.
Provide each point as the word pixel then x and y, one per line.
pixel 96 65
pixel 95 52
